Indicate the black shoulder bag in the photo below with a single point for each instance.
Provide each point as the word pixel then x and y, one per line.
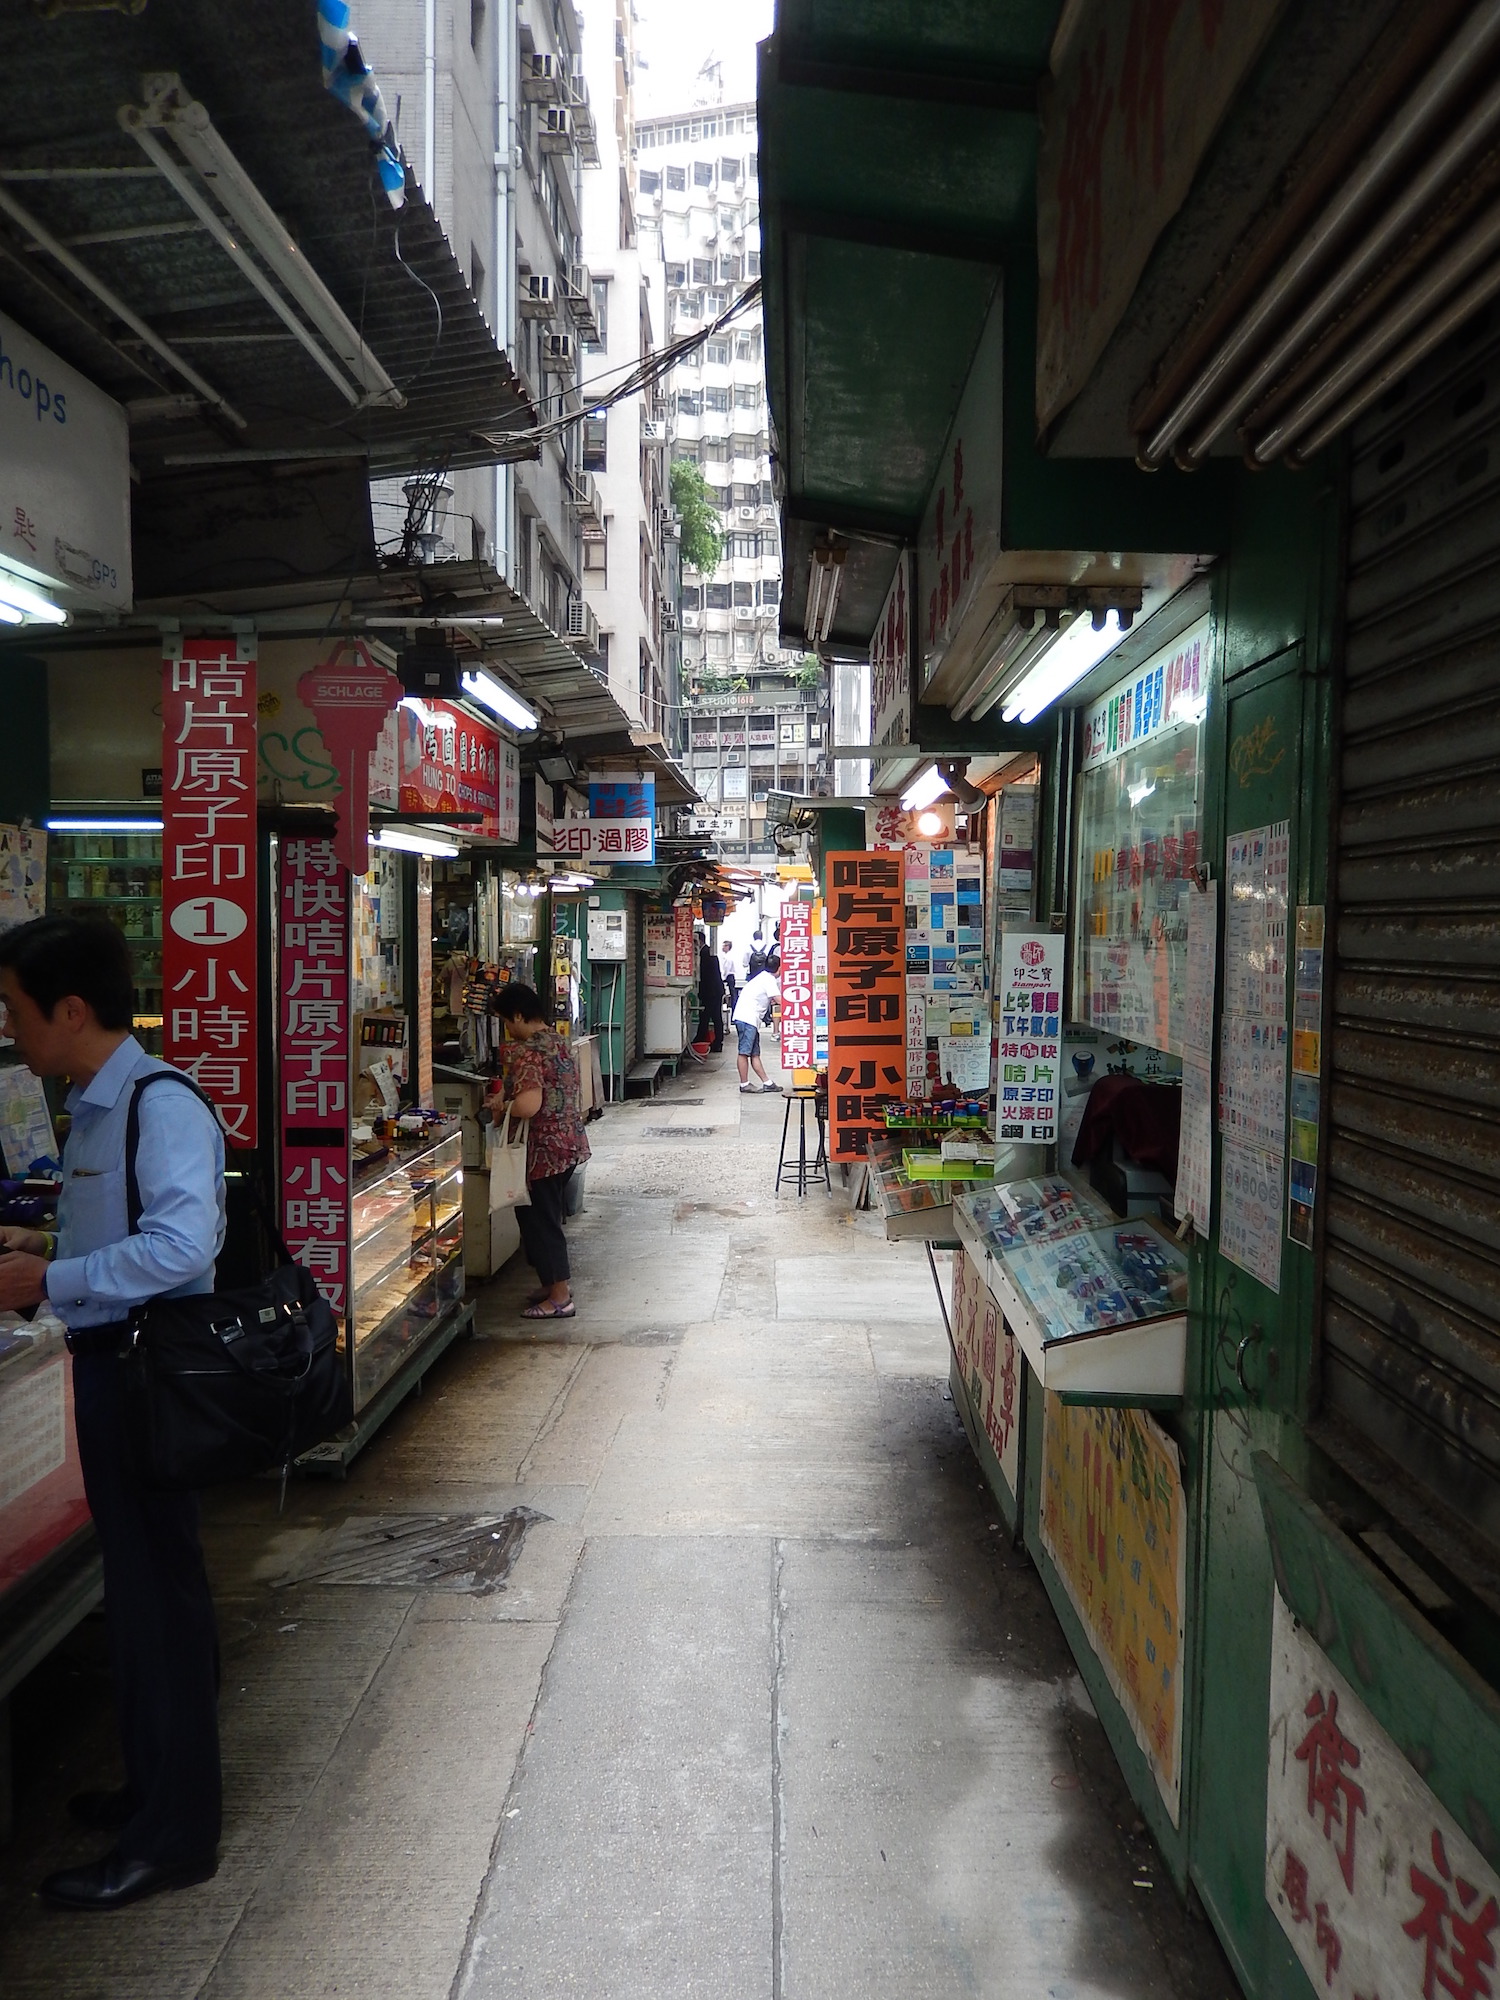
pixel 224 1385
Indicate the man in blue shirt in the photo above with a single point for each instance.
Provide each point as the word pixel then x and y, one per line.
pixel 66 986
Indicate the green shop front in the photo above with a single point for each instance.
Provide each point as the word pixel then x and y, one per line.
pixel 1266 1512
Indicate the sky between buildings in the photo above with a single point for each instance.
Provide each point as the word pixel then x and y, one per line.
pixel 677 37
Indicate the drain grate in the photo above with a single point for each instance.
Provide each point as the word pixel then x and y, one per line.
pixel 473 1553
pixel 678 1131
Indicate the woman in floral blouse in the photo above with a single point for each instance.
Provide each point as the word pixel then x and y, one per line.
pixel 540 1083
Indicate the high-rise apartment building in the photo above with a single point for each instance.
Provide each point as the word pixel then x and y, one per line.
pixel 757 715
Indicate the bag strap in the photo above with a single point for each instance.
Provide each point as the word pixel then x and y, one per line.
pixel 132 1146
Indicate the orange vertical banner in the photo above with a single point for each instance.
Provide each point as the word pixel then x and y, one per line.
pixel 866 995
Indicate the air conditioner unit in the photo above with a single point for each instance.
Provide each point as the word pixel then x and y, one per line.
pixel 744 611
pixel 557 353
pixel 747 513
pixel 538 295
pixel 691 620
pixel 540 78
pixel 556 129
pixel 582 624
pixel 653 431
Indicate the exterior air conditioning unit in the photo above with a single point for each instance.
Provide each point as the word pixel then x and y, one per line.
pixel 556 129
pixel 691 620
pixel 583 626
pixel 668 619
pixel 557 353
pixel 744 611
pixel 653 431
pixel 538 295
pixel 747 513
pixel 541 78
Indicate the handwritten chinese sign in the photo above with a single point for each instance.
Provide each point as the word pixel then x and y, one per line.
pixel 209 990
pixel 866 995
pixel 1378 1889
pixel 796 986
pixel 990 1364
pixel 1028 1014
pixel 315 1062
pixel 1112 1523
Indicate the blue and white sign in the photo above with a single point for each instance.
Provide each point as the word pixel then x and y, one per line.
pixel 1171 688
pixel 64 479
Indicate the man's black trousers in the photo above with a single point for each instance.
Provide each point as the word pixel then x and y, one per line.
pixel 163 1646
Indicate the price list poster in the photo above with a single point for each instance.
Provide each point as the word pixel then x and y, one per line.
pixel 1253 1052
pixel 866 995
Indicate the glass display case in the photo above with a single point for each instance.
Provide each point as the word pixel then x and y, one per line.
pixel 407 1239
pixel 116 875
pixel 1140 829
pixel 42 1504
pixel 992 1221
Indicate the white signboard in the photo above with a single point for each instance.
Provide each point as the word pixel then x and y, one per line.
pixel 606 934
pixel 1376 1886
pixel 1171 688
pixel 961 539
pixel 1195 1151
pixel 1028 1007
pixel 1253 1052
pixel 714 826
pixel 64 478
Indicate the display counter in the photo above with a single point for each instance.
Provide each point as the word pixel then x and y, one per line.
pixel 914 1210
pixel 1097 1305
pixel 407 1243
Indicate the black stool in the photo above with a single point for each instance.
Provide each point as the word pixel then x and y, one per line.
pixel 802 1171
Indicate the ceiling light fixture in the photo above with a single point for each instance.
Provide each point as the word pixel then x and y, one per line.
pixel 924 790
pixel 1076 651
pixel 825 578
pixel 20 601
pixel 498 699
pixel 429 844
pixel 70 824
pixel 930 823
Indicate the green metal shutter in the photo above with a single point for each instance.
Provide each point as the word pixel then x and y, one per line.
pixel 1411 1294
pixel 634 948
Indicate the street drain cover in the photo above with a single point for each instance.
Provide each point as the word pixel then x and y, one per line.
pixel 473 1553
pixel 677 1131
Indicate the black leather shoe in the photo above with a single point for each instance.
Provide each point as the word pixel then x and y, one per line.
pixel 102 1812
pixel 113 1882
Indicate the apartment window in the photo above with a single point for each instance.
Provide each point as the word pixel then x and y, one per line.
pixel 690 305
pixel 650 181
pixel 476 24
pixel 747 549
pixel 767 494
pixel 726 219
pixel 718 353
pixel 729 270
pixel 703 173
pixel 717 647
pixel 716 399
pixel 715 451
pixel 687 448
pixel 596 555
pixel 744 593
pixel 716 596
pixel 596 444
pixel 747 395
pixel 744 645
pixel 676 276
pixel 770 590
pixel 752 264
pixel 729 170
pixel 676 180
pixel 690 403
pixel 692 597
pixel 747 346
pixel 703 270
pixel 754 166
pixel 713 303
pixel 601 311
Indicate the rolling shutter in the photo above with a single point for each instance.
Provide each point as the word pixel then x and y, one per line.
pixel 633 951
pixel 1411 1295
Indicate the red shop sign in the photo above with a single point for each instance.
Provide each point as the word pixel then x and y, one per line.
pixel 796 986
pixel 315 1063
pixel 208 961
pixel 350 703
pixel 449 763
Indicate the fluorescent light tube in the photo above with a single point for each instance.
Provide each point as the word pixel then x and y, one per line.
pixel 417 843
pixel 926 787
pixel 498 699
pixel 1076 651
pixel 71 825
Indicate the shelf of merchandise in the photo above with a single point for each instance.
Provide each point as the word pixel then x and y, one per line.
pixel 116 875
pixel 407 1255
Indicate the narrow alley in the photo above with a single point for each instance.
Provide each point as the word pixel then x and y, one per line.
pixel 756 1699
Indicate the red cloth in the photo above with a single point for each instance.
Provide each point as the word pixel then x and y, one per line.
pixel 1146 1118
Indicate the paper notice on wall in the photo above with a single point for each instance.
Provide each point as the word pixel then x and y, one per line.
pixel 26 1134
pixel 1202 955
pixel 964 1061
pixel 1250 1210
pixel 1253 1051
pixel 23 875
pixel 1195 1147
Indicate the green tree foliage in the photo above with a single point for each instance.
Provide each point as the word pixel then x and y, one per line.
pixel 809 671
pixel 702 537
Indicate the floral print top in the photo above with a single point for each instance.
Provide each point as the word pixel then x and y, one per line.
pixel 556 1139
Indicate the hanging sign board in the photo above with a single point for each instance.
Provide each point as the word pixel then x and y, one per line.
pixel 621 826
pixel 890 661
pixel 1168 690
pixel 350 701
pixel 684 946
pixel 451 763
pixel 1028 1014
pixel 313 915
pixel 866 996
pixel 796 986
pixel 209 875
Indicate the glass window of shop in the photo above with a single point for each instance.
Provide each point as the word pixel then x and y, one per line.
pixel 116 875
pixel 1140 830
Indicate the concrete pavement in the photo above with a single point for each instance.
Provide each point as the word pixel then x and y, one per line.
pixel 763 1708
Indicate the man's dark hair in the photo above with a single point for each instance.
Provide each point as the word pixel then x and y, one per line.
pixel 53 957
pixel 516 1002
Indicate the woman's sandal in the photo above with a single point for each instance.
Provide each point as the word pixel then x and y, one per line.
pixel 544 1309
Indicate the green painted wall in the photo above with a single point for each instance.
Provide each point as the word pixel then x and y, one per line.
pixel 25 741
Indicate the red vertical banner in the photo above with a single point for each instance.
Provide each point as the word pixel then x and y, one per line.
pixel 315 1056
pixel 866 995
pixel 796 986
pixel 684 945
pixel 209 908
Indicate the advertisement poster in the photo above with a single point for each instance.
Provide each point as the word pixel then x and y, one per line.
pixel 990 1364
pixel 1028 1009
pixel 26 1134
pixel 23 875
pixel 1253 1051
pixel 1195 1152
pixel 661 948
pixel 208 846
pixel 1307 1069
pixel 1112 1524
pixel 450 763
pixel 947 1024
pixel 684 948
pixel 1377 1887
pixel 866 996
pixel 797 1017
pixel 315 1057
pixel 621 825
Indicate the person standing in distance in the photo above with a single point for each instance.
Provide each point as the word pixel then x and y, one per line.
pixel 68 996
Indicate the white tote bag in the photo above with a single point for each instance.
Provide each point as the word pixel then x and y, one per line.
pixel 505 1155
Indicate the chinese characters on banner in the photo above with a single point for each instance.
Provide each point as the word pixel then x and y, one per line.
pixel 315 1057
pixel 796 986
pixel 684 947
pixel 1112 1524
pixel 989 1365
pixel 1307 1067
pixel 450 763
pixel 1376 1886
pixel 866 996
pixel 621 825
pixel 1253 1052
pixel 1028 1011
pixel 209 990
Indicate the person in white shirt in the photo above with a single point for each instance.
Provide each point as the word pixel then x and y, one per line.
pixel 756 995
